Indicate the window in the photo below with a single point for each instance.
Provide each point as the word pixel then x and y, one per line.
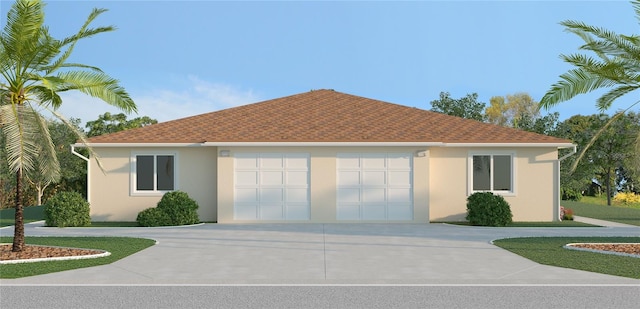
pixel 153 173
pixel 491 172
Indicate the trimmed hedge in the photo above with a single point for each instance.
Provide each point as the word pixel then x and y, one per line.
pixel 67 209
pixel 175 208
pixel 487 209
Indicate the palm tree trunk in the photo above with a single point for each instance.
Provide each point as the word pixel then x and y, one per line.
pixel 18 232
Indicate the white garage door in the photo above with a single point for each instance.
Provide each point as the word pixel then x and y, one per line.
pixel 271 186
pixel 374 186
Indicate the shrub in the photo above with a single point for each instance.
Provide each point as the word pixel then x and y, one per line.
pixel 153 217
pixel 566 213
pixel 570 194
pixel 487 209
pixel 180 207
pixel 67 209
pixel 627 198
pixel 175 208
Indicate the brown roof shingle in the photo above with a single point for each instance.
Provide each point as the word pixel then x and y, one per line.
pixel 324 116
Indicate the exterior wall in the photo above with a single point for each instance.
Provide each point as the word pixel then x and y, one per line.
pixel 323 181
pixel 110 192
pixel 536 178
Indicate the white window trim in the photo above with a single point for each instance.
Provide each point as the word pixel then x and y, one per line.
pixel 133 176
pixel 492 153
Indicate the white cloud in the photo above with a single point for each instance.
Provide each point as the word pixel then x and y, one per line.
pixel 200 97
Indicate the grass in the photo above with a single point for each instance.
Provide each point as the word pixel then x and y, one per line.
pixel 30 214
pixel 550 251
pixel 119 247
pixel 624 215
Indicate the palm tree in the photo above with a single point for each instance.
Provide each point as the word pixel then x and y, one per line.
pixel 617 68
pixel 35 71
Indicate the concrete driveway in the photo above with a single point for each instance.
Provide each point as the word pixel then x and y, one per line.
pixel 325 254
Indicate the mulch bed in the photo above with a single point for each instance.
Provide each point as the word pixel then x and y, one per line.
pixel 36 252
pixel 621 248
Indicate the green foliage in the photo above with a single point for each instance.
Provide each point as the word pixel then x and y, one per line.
pixel 110 123
pixel 569 194
pixel 467 107
pixel 175 208
pixel 67 209
pixel 487 209
pixel 153 217
pixel 512 109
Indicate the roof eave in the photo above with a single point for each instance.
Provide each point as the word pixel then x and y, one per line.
pixel 327 144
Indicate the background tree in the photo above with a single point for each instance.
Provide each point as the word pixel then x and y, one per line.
pixel 35 70
pixel 512 109
pixel 110 123
pixel 616 67
pixel 610 160
pixel 466 107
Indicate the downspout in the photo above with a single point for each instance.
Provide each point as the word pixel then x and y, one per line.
pixel 79 155
pixel 559 197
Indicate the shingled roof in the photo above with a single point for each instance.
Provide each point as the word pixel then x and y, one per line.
pixel 324 116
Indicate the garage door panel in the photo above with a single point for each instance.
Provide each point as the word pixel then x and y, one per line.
pixel 268 195
pixel 271 211
pixel 402 195
pixel 349 212
pixel 349 161
pixel 372 195
pixel 271 178
pixel 242 211
pixel 271 186
pixel 298 178
pixel 374 161
pixel 349 195
pixel 297 212
pixel 374 212
pixel 349 178
pixel 400 211
pixel 246 195
pixel 402 178
pixel 399 161
pixel 271 160
pixel 249 161
pixel 297 161
pixel 297 195
pixel 374 178
pixel 375 186
pixel 247 178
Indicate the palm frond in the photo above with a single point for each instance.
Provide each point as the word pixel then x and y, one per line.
pixel 72 40
pixel 24 21
pixel 572 83
pixel 47 95
pixel 605 101
pixel 80 135
pixel 20 131
pixel 47 167
pixel 99 85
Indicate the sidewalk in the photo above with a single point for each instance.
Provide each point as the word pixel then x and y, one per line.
pixel 602 222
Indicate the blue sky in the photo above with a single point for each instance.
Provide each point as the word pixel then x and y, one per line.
pixel 181 58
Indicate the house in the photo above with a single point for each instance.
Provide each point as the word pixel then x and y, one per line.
pixel 325 156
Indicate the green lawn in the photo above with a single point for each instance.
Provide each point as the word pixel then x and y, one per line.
pixel 30 214
pixel 550 251
pixel 531 224
pixel 119 247
pixel 625 215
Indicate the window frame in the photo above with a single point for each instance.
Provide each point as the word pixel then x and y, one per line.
pixel 491 154
pixel 134 177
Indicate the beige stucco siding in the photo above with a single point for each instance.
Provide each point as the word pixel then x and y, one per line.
pixel 535 172
pixel 110 193
pixel 322 173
